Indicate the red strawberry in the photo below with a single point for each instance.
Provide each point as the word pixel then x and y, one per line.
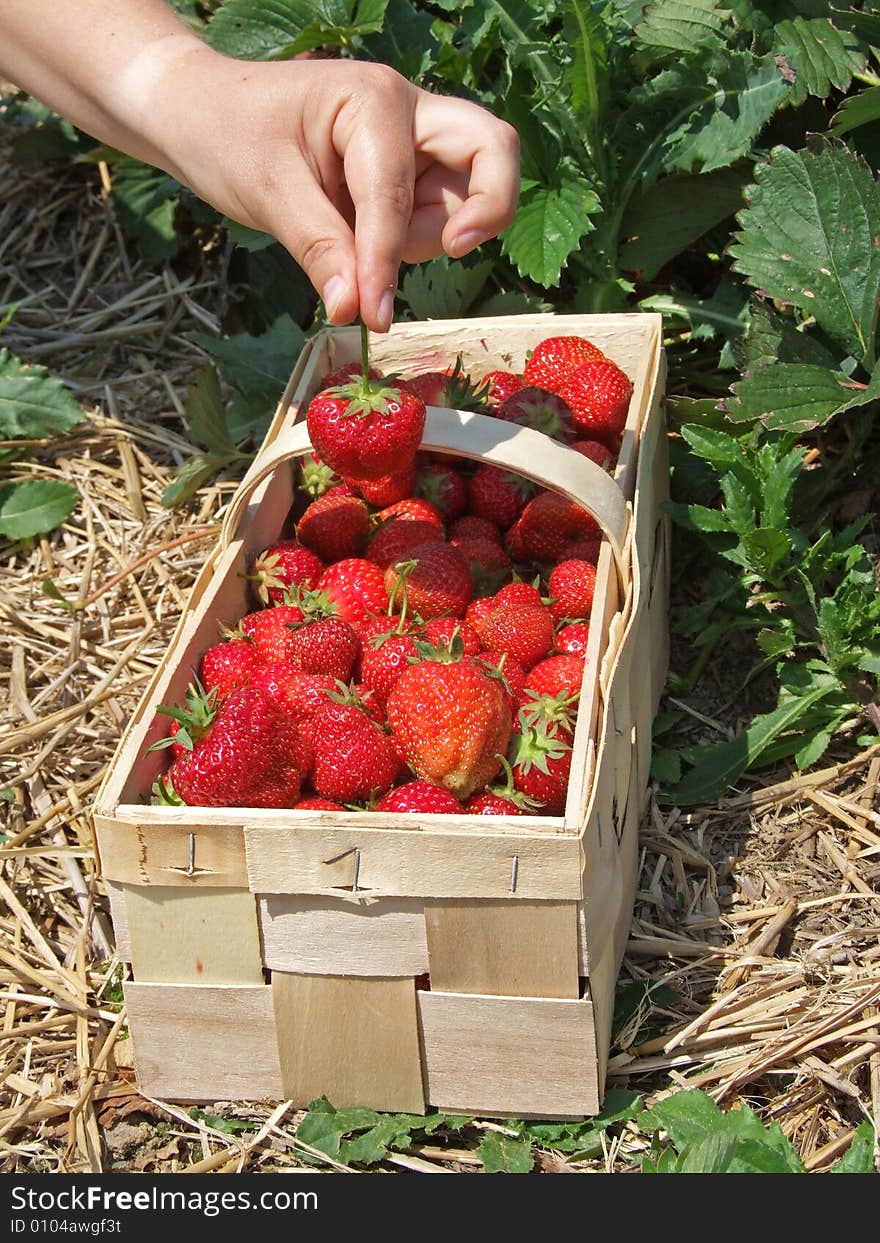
pixel 248 756
pixel 227 666
pixel 395 541
pixel 453 388
pixel 366 428
pixel 383 659
pixel 355 588
pixel 450 723
pixel 328 645
pixel 584 550
pixel 433 581
pixel 444 487
pixel 420 798
pixel 478 610
pixel 510 673
pixel 501 384
pixel 335 526
pixel 552 691
pixel 573 639
pixel 177 747
pixel 284 564
pixel 596 452
pixel 598 394
pixel 387 490
pixel 488 563
pixel 523 631
pixel 412 509
pixel 345 373
pixel 541 410
pixel 441 632
pixel 500 800
pixel 497 494
pixel 541 766
pixel 272 632
pixel 316 803
pixel 551 523
pixel 553 359
pixel 472 527
pixel 354 758
pixel 246 625
pixel 519 593
pixel 572 584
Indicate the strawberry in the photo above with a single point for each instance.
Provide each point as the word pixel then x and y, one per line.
pixel 541 410
pixel 246 626
pixel 572 584
pixel 519 593
pixel 523 631
pixel 366 428
pixel 450 723
pixel 316 803
pixel 442 632
pixel 553 359
pixel 420 798
pixel 396 540
pixel 284 564
pixel 315 476
pixel 272 632
pixel 573 639
pixel 598 394
pixel 246 756
pixel 388 489
pixel 488 563
pixel 444 487
pixel 500 385
pixel 383 659
pixel 497 494
pixel 453 388
pixel 596 452
pixel 541 764
pixel 551 523
pixel 435 580
pixel 345 373
pixel 354 758
pixel 334 526
pixel 511 675
pixel 227 666
pixel 355 589
pixel 477 611
pixel 500 800
pixel 328 645
pixel 552 691
pixel 412 509
pixel 471 527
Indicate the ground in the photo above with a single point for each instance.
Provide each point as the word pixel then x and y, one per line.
pixel 753 968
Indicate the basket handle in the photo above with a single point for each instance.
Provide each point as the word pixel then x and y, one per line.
pixel 463 433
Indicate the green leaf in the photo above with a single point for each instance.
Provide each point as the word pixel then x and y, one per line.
pixel 726 313
pixel 859 1157
pixel 666 218
pixel 549 225
pixel 710 1155
pixel 203 412
pixel 814 746
pixel 775 338
pixel 36 506
pixel 146 202
pixel 676 27
pixel 858 110
pixel 33 403
pixel 865 24
pixel 665 766
pixel 192 474
pixel 501 1154
pixel 281 29
pixel 823 57
pixel 797 396
pixel 586 74
pixel 808 238
pixel 257 364
pixel 696 1126
pixel 248 239
pixel 406 41
pixel 443 288
pixel 766 548
pixel 716 447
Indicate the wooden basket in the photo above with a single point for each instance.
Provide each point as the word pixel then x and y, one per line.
pixel 396 961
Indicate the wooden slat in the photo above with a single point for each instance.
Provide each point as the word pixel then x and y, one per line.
pixel 332 936
pixel 509 1055
pixel 503 948
pixel 193 936
pixel 412 863
pixel 119 916
pixel 355 1041
pixel 200 1043
pixel 154 853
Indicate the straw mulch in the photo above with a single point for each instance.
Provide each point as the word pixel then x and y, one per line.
pixel 755 934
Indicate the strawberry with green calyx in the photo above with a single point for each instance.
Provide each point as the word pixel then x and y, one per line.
pixel 328 645
pixel 366 428
pixel 501 800
pixel 510 674
pixel 541 763
pixel 488 563
pixel 191 722
pixel 572 585
pixel 226 666
pixel 555 710
pixel 316 477
pixel 540 410
pixel 354 590
pixel 469 526
pixel 557 675
pixel 598 394
pixel 420 798
pixel 520 592
pixel 434 581
pixel 572 640
pixel 501 385
pixel 164 793
pixel 411 509
pixel 444 487
pixel 449 632
pixel 553 360
pixel 550 524
pixel 272 632
pixel 335 526
pixel 354 758
pixel 383 659
pixel 453 388
pixel 498 494
pixel 316 803
pixel 345 373
pixel 450 723
pixel 387 489
pixel 395 540
pixel 596 452
pixel 286 563
pixel 523 631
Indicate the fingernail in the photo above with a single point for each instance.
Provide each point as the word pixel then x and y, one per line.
pixel 385 313
pixel 466 242
pixel 333 293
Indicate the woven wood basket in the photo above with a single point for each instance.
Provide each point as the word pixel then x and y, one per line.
pixel 400 961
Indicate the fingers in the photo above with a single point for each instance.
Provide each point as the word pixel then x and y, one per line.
pixel 438 196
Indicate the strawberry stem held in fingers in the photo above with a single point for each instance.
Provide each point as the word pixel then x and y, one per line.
pixel 366 428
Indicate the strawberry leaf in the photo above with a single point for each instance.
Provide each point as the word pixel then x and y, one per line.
pixel 798 396
pixel 502 1154
pixel 822 57
pixel 281 29
pixel 35 506
pixel 33 403
pixel 549 225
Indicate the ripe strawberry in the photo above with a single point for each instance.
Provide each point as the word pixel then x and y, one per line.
pixel 435 580
pixel 553 359
pixel 453 388
pixel 541 766
pixel 501 384
pixel 598 394
pixel 383 659
pixel 584 550
pixel 316 803
pixel 478 610
pixel 345 373
pixel 328 645
pixel 500 800
pixel 488 563
pixel 552 691
pixel 523 631
pixel 573 639
pixel 354 758
pixel 395 541
pixel 444 487
pixel 572 584
pixel 246 626
pixel 412 509
pixel 315 476
pixel 519 593
pixel 472 527
pixel 247 756
pixel 420 798
pixel 541 410
pixel 334 526
pixel 513 543
pixel 177 747
pixel 272 632
pixel 442 632
pixel 550 524
pixel 450 723
pixel 366 428
pixel 497 494
pixel 596 452
pixel 227 666
pixel 355 589
pixel 511 675
pixel 387 490
pixel 284 564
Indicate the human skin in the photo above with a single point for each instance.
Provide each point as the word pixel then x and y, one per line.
pixel 352 168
